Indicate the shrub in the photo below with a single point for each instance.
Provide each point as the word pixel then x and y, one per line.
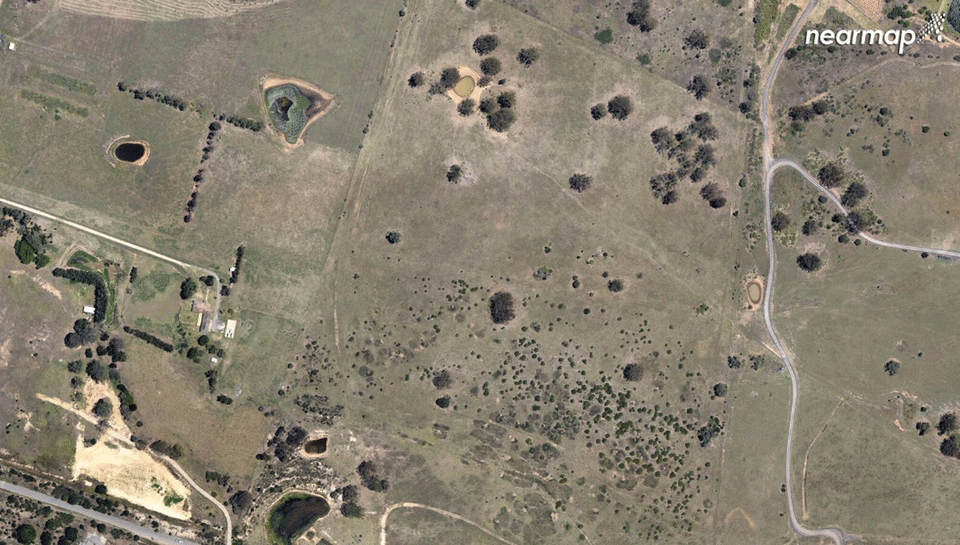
pixel 809 262
pixel 598 111
pixel 580 182
pixel 528 56
pixel 486 44
pixel 490 66
pixel 604 36
pixel 501 307
pixel 620 107
pixel 443 402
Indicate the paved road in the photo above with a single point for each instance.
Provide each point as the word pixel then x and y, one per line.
pixel 146 533
pixel 125 244
pixel 835 534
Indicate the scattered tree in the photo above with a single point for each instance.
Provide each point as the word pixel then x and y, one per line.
pixel 950 447
pixel 501 120
pixel 809 262
pixel 488 105
pixel 720 389
pixel 947 423
pixel 490 66
pixel 442 379
pixel 700 87
pixel 854 193
pixel 580 182
pixel 466 106
pixel 620 107
pixel 639 16
pixel 416 79
pixel 472 4
pixel 501 307
pixel 25 534
pixel 241 502
pixel 528 56
pixel 697 39
pixel 633 372
pixel 780 221
pixel 598 111
pixel 615 286
pixel 830 175
pixel 604 36
pixel 892 367
pixel 449 78
pixel 454 174
pixel 393 237
pixel 486 44
pixel 103 408
pixel 923 428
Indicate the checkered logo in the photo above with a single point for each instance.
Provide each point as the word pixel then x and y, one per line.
pixel 933 27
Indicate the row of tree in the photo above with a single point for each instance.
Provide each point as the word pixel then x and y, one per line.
pixel 149 339
pixel 207 151
pixel 154 94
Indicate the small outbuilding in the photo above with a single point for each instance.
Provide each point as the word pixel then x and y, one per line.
pixel 231 329
pixel 89 310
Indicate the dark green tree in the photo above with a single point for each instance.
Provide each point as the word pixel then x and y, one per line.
pixel 947 423
pixel 892 367
pixel 103 408
pixel 187 288
pixel 580 182
pixel 528 56
pixel 633 372
pixel 486 44
pixel 25 534
pixel 699 87
pixel 831 175
pixel 809 262
pixel 490 66
pixel 598 111
pixel 620 107
pixel 697 39
pixel 393 237
pixel 780 221
pixel 501 307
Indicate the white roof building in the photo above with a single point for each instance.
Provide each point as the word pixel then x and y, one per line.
pixel 231 329
pixel 88 310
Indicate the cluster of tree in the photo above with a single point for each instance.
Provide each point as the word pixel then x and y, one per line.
pixel 953 15
pixel 245 123
pixel 219 478
pixel 806 112
pixel 580 182
pixel 499 111
pixel 212 376
pixel 486 44
pixel 699 86
pixel 319 405
pixel 501 307
pixel 693 160
pixel 31 246
pixel 370 478
pixel 133 274
pixel 733 362
pixel 350 497
pixel 149 339
pixel 154 94
pixel 899 12
pixel 208 280
pixel 224 399
pixel 127 403
pixel 448 80
pixel 809 262
pixel 284 444
pixel 187 288
pixel 100 294
pixel 706 433
pixel 604 36
pixel 207 151
pixel 114 349
pixel 639 16
pixel 174 451
pixel 528 56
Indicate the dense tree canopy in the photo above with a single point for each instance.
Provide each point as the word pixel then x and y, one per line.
pixel 490 66
pixel 947 423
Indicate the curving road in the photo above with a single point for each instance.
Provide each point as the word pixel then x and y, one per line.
pixel 835 534
pixel 125 244
pixel 228 536
pixel 146 533
pixel 770 167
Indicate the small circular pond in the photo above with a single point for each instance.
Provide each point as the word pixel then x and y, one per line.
pixel 754 292
pixel 465 86
pixel 293 515
pixel 130 152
